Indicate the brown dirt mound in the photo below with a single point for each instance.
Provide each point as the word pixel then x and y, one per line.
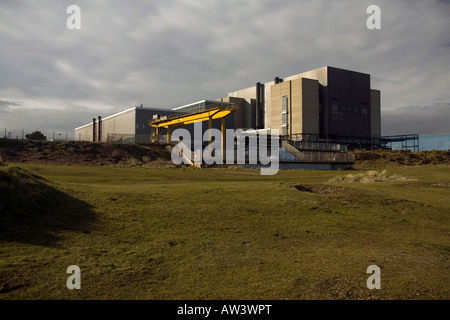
pixel 397 158
pixel 83 153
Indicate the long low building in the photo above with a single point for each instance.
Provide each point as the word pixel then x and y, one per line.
pixel 129 126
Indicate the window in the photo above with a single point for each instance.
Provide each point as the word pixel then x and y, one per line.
pixel 334 111
pixel 284 116
pixel 284 104
pixel 284 119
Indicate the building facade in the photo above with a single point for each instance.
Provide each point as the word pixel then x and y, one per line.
pixel 129 126
pixel 327 103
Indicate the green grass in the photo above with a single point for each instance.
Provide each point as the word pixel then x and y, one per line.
pixel 141 233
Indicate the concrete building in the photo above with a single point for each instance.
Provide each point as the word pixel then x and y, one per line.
pixel 328 103
pixel 129 126
pixel 234 120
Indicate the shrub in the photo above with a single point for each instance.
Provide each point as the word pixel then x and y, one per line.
pixel 36 135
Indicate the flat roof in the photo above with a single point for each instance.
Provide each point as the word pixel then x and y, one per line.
pixel 295 75
pixel 216 112
pixel 122 112
pixel 157 109
pixel 202 101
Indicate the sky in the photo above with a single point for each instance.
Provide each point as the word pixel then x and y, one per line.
pixel 169 53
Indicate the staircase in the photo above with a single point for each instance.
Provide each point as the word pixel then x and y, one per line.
pixel 318 152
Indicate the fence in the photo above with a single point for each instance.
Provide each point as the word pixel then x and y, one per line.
pixel 51 135
pixel 120 138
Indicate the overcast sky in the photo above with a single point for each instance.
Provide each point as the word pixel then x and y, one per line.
pixel 173 52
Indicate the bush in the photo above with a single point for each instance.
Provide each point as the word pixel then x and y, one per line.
pixel 36 135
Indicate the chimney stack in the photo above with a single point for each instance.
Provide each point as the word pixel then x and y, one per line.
pixel 99 129
pixel 93 130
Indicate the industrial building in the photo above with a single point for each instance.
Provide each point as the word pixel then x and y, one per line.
pixel 320 113
pixel 129 126
pixel 327 103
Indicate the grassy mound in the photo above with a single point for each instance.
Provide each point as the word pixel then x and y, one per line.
pixel 82 153
pixel 22 192
pixel 32 210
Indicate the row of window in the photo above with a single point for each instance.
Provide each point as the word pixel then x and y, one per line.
pixel 337 108
pixel 337 113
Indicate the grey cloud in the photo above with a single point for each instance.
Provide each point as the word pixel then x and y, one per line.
pixel 169 53
pixel 4 103
pixel 44 120
pixel 417 119
pixel 8 106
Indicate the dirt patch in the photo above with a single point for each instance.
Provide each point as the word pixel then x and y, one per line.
pixel 372 176
pixel 319 188
pixel 441 184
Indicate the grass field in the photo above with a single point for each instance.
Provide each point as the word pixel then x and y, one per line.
pixel 181 233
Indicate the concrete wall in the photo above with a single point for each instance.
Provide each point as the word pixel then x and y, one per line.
pixel 247 102
pixel 344 96
pixel 268 103
pixel 143 116
pixel 278 91
pixel 375 113
pixel 303 105
pixel 131 122
pixel 310 106
pixel 344 99
pixel 84 133
pixel 238 117
pixel 249 96
pixel 320 74
pixel 121 123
